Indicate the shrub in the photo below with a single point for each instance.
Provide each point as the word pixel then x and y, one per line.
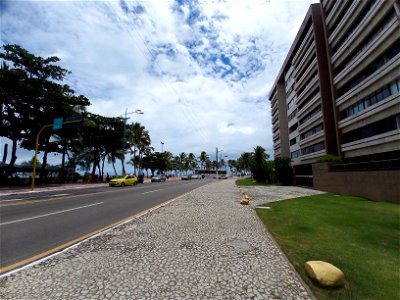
pixel 283 170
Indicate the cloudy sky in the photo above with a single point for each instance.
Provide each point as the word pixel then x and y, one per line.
pixel 200 70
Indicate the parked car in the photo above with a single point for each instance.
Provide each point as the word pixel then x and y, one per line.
pixel 196 176
pixel 186 177
pixel 158 178
pixel 123 180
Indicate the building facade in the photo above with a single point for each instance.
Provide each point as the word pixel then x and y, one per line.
pixel 338 90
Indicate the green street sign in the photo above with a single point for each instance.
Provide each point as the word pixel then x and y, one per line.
pixel 58 123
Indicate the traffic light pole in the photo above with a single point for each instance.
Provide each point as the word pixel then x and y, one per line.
pixel 36 151
pixel 61 123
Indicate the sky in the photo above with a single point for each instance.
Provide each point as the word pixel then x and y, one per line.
pixel 200 70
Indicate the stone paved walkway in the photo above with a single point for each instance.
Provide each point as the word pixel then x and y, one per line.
pixel 204 245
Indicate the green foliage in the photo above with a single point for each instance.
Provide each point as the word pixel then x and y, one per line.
pixel 283 170
pixel 360 237
pixel 329 158
pixel 32 97
pixel 260 166
pixel 250 182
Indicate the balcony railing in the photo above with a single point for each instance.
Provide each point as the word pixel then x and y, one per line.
pixel 392 164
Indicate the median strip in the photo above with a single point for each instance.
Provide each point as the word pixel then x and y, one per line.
pixel 49 214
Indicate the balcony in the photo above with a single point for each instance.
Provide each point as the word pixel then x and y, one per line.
pixel 388 141
pixel 307 73
pixel 301 49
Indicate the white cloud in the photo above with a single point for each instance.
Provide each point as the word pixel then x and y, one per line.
pixel 201 71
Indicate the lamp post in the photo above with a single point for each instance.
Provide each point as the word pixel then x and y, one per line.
pixel 162 146
pixel 216 152
pixel 137 111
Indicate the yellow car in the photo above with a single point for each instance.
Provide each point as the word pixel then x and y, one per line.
pixel 123 180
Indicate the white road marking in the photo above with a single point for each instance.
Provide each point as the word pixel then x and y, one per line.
pixel 27 198
pixel 9 200
pixel 18 199
pixel 49 214
pixel 152 191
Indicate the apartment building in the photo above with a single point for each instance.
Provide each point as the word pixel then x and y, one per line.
pixel 338 89
pixel 363 42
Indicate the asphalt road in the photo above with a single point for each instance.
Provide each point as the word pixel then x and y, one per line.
pixel 35 225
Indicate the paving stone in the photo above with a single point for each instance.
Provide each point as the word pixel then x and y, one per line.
pixel 204 245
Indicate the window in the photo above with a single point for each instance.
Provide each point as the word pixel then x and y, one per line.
pixel 372 68
pixel 313 148
pixel 377 96
pixel 292 115
pixel 355 24
pixel 383 24
pixel 293 127
pixel 291 102
pixel 311 114
pixel 312 131
pixel 394 87
pixel 295 140
pixel 309 98
pixel 382 126
pixel 295 154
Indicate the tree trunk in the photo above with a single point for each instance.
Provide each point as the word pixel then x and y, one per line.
pixel 102 167
pixel 123 167
pixel 63 155
pixel 115 170
pixel 100 173
pixel 13 157
pixel 43 168
pixel 94 166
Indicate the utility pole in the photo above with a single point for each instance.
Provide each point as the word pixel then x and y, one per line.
pixel 216 154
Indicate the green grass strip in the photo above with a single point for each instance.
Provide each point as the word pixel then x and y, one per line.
pixel 359 236
pixel 251 182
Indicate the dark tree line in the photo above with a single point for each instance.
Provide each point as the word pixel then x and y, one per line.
pixel 32 95
pixel 262 169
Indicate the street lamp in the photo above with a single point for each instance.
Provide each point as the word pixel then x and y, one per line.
pixel 216 154
pixel 162 146
pixel 139 112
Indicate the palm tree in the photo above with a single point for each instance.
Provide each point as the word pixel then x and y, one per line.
pixel 260 166
pixel 139 138
pixel 112 158
pixel 245 161
pixel 182 162
pixel 203 159
pixel 191 161
pixel 259 155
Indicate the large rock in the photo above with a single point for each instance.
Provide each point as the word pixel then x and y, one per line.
pixel 244 201
pixel 325 273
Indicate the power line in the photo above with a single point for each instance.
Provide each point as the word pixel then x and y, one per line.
pixel 187 113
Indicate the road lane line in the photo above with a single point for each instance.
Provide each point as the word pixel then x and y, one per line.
pixel 152 191
pixel 60 195
pixel 49 214
pixel 17 199
pixel 9 200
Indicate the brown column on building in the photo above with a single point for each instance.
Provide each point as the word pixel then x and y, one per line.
pixel 325 83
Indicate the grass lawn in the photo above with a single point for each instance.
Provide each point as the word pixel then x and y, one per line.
pixel 359 236
pixel 250 181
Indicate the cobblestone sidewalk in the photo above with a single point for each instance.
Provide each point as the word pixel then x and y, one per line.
pixel 204 245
